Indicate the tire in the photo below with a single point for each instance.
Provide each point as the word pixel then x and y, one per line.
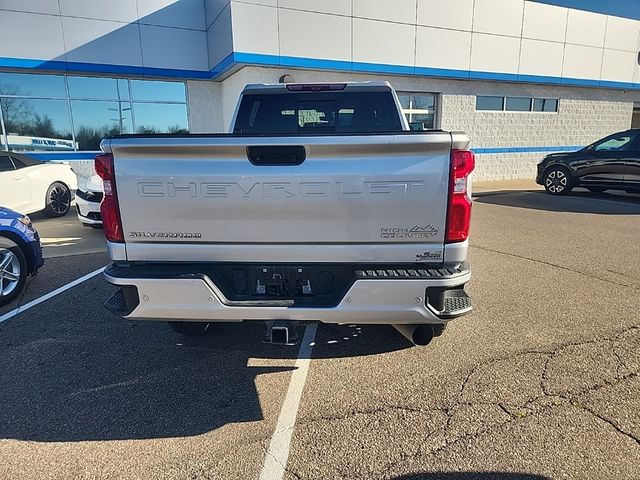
pixel 557 181
pixel 596 189
pixel 58 200
pixel 189 328
pixel 13 274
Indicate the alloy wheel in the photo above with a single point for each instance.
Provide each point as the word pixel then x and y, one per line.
pixel 556 181
pixel 9 272
pixel 59 199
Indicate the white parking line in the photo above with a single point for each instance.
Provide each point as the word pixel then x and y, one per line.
pixel 49 295
pixel 277 456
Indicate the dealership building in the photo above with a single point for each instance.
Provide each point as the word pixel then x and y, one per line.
pixel 521 77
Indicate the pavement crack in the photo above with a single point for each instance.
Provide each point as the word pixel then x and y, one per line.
pixel 617 428
pixel 550 264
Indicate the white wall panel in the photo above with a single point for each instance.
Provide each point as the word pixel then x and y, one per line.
pixel 44 41
pixel 119 10
pixel 166 47
pixel 337 7
pixel 381 42
pixel 502 17
pixel 173 13
pixel 268 3
pixel 315 35
pixel 33 6
pixel 98 41
pixel 586 28
pixel 538 57
pixel 618 66
pixel 430 51
pixel 220 37
pixel 386 10
pixel 622 34
pixel 255 28
pixel 582 62
pixel 456 14
pixel 492 53
pixel 544 22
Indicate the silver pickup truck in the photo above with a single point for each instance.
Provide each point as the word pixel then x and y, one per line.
pixel 321 205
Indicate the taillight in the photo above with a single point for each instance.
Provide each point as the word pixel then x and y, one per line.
pixel 459 208
pixel 109 209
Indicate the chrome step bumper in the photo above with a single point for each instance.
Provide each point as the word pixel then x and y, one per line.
pixel 370 299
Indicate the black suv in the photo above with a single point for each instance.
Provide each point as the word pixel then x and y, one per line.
pixel 610 163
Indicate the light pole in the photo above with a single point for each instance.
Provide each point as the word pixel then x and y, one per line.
pixel 120 118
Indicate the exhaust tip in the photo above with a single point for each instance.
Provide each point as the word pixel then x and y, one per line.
pixel 420 335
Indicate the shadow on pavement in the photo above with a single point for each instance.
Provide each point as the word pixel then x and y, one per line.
pixel 577 202
pixel 73 373
pixel 471 476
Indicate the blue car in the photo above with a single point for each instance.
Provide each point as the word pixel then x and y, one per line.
pixel 20 253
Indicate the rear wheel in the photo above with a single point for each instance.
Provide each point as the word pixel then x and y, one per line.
pixel 190 328
pixel 58 200
pixel 558 181
pixel 596 189
pixel 13 273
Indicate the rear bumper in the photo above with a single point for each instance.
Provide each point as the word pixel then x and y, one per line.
pixel 197 298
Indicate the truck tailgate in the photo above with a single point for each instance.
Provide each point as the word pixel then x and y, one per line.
pixel 200 198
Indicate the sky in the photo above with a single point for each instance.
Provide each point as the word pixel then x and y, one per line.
pixel 619 8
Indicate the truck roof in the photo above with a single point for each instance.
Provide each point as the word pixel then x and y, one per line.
pixel 262 88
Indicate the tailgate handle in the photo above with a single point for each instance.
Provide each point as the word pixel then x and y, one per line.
pixel 276 154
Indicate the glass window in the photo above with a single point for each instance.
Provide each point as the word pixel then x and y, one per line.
pixel 545 104
pixel 95 120
pixel 123 89
pixel 36 124
pixel 489 103
pixel 425 118
pixel 93 87
pixel 405 101
pixel 617 143
pixel 29 85
pixel 17 163
pixel 423 102
pixel 39 110
pixel 5 164
pixel 420 108
pixel 160 118
pixel 313 113
pixel 518 104
pixel 153 91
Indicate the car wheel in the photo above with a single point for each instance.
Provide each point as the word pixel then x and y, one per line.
pixel 189 328
pixel 58 200
pixel 597 189
pixel 558 181
pixel 13 273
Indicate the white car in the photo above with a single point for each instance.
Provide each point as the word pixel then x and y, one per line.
pixel 28 185
pixel 88 195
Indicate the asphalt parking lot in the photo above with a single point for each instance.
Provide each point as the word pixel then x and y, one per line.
pixel 539 382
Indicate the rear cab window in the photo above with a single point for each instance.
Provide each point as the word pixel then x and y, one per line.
pixel 310 113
